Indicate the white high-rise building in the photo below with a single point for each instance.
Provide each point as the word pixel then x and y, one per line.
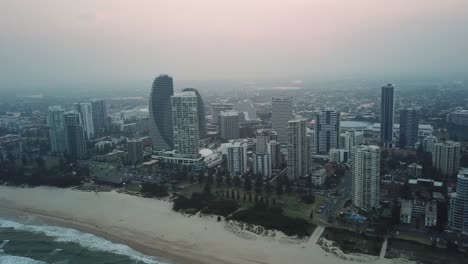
pixel 349 139
pixel 262 161
pixel 237 157
pixel 185 124
pixel 281 113
pixel 263 139
pixel 327 131
pixel 428 143
pixel 262 164
pixel 338 155
pixel 446 157
pixel 458 208
pixel 366 177
pixel 86 115
pixel 229 125
pixel 56 124
pixel 298 157
pixel 217 108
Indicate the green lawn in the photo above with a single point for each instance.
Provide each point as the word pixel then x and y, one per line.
pixel 290 203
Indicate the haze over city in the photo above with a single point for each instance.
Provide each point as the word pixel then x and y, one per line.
pixel 233 131
pixel 107 44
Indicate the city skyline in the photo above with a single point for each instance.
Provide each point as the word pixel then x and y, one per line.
pixel 223 131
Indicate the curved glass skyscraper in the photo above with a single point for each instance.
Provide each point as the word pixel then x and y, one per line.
pixel 201 112
pixel 160 111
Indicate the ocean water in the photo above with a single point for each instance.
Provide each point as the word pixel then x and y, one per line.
pixel 37 243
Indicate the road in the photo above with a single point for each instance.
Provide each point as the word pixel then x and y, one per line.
pixel 333 204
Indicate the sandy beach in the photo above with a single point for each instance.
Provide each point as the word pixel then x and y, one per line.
pixel 151 227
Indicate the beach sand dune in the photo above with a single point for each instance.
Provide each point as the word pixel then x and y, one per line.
pixel 153 228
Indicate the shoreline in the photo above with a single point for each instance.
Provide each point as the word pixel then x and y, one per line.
pixel 152 228
pixel 155 252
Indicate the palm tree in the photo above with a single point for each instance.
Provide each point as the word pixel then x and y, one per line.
pixel 247 184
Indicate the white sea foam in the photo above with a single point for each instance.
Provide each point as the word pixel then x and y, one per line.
pixel 85 240
pixel 19 260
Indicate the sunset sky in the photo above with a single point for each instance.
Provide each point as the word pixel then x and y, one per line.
pixel 54 42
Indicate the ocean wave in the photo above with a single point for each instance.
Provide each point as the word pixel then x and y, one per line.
pixel 85 240
pixel 18 260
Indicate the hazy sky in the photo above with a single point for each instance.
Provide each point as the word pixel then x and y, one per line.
pixel 57 42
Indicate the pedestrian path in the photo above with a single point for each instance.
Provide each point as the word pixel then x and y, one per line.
pixel 316 235
pixel 383 250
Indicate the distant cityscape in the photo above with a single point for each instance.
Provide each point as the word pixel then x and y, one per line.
pixel 382 161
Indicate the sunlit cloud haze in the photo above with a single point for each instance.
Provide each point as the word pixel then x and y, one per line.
pixel 56 42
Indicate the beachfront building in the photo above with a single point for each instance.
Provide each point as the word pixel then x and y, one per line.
pixel 327 131
pixel 387 108
pixel 366 177
pixel 237 157
pixel 262 160
pixel 281 113
pixel 446 157
pixel 298 156
pixel 201 112
pixel 56 124
pixel 160 113
pixel 185 125
pixel 74 136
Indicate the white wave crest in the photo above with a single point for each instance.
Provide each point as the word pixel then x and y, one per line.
pixel 18 260
pixel 85 240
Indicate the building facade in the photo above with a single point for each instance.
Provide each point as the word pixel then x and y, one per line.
pixel 135 151
pixel 56 124
pixel 75 136
pixel 201 112
pixel 229 125
pixel 446 157
pixel 327 131
pixel 186 136
pixel 281 113
pixel 298 156
pixel 160 112
pixel 276 155
pixel 366 177
pixel 86 115
pixel 458 207
pixel 237 158
pixel 99 113
pixel 217 108
pixel 387 109
pixel 409 125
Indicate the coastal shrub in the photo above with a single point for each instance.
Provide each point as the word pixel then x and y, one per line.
pixel 221 207
pixel 205 203
pixel 273 218
pixel 154 189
